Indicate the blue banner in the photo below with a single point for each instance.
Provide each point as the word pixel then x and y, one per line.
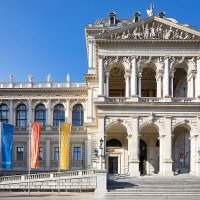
pixel 7 131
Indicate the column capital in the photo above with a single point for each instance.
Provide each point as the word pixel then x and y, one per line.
pixel 102 57
pixel 198 58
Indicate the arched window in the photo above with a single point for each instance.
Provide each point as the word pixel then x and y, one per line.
pixel 77 115
pixel 148 83
pixel 113 143
pixel 40 114
pixel 58 115
pixel 21 116
pixel 180 83
pixel 4 113
pixel 116 82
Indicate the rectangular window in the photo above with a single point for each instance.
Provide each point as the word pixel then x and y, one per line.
pixel 76 153
pixel 56 153
pixel 20 153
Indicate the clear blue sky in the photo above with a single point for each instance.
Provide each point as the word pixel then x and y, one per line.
pixel 47 36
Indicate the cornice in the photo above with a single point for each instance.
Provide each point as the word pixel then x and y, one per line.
pixel 148 41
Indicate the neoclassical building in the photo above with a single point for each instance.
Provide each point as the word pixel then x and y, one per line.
pixel 138 111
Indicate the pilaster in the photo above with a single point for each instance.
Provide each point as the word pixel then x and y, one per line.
pixel 90 104
pixel 127 79
pixel 101 76
pixel 167 147
pixel 101 136
pixel 133 148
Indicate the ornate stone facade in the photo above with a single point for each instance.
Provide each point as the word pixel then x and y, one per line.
pixel 138 110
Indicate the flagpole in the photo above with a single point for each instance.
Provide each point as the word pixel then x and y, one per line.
pixel 59 158
pixel 29 164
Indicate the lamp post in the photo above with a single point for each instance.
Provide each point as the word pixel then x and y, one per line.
pixel 101 141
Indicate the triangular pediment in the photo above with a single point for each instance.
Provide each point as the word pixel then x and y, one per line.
pixel 153 28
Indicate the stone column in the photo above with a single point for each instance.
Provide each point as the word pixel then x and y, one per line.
pixel 162 153
pixel 197 88
pixel 166 78
pixel 48 154
pixel 133 76
pixel 101 76
pixel 90 54
pixel 193 152
pixel 159 85
pixel 140 84
pixel 107 83
pixel 133 148
pixel 172 84
pixel 127 78
pixel 190 85
pixel 168 147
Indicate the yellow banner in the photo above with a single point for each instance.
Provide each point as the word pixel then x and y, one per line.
pixel 65 132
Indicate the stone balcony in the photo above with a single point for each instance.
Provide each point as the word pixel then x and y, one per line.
pixel 144 100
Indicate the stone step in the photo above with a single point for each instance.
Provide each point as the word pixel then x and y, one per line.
pixel 153 193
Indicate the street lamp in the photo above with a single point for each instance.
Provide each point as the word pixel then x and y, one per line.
pixel 101 144
pixel 101 141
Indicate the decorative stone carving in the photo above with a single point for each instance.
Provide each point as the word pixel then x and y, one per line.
pixel 153 31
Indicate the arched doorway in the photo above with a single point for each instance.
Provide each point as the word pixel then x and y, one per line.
pixel 143 157
pixel 117 81
pixel 148 82
pixel 117 149
pixel 149 150
pixel 181 150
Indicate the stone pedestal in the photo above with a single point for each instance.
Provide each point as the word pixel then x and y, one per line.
pixel 134 168
pixel 168 168
pixel 101 182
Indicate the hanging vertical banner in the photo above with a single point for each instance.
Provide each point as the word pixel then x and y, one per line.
pixel 35 145
pixel 65 132
pixel 7 132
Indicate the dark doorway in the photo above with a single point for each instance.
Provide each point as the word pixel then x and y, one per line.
pixel 113 165
pixel 143 157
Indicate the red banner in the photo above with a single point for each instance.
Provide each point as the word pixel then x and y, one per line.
pixel 35 145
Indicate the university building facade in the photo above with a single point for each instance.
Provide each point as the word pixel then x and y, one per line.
pixel 138 111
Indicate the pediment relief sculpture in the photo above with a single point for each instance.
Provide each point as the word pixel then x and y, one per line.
pixel 153 31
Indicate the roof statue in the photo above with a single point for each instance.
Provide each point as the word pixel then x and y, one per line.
pixel 150 10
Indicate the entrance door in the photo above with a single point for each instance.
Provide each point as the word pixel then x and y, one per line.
pixel 113 165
